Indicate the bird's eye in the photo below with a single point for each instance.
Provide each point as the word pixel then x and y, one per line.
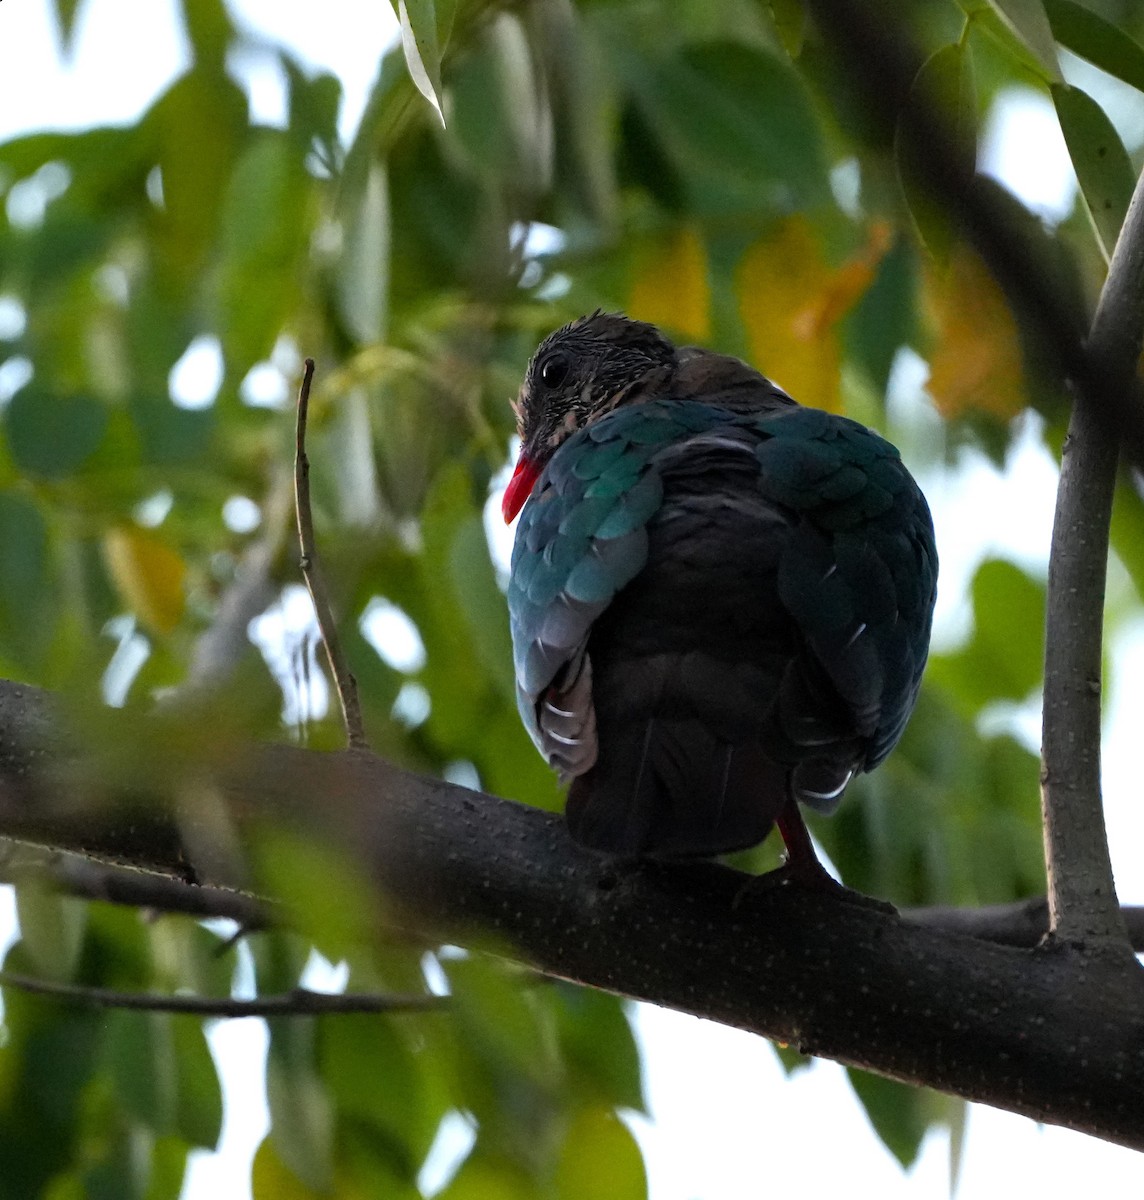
pixel 554 370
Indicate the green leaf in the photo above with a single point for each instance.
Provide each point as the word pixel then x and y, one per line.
pixel 52 929
pixel 598 1048
pixel 164 1074
pixel 198 1099
pixel 1028 20
pixel 65 15
pixel 1105 45
pixel 484 1177
pixel 301 1115
pixel 789 18
pixel 1102 165
pixel 374 1076
pixel 1004 657
pixel 197 127
pixel 52 435
pixel 600 1160
pixel 209 29
pixel 264 235
pixel 735 119
pixel 363 271
pixel 896 1110
pixel 945 85
pixel 422 51
pixel 272 1179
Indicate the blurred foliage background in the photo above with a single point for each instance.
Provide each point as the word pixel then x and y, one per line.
pixel 693 162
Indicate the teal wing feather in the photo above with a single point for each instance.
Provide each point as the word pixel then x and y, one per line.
pixel 582 537
pixel 859 571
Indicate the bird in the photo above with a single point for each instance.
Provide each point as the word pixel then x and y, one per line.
pixel 720 600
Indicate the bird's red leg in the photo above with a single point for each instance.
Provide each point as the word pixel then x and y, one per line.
pixel 802 867
pixel 802 863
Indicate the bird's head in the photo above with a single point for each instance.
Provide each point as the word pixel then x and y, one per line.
pixel 577 374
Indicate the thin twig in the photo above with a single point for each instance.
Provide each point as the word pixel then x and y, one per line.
pixel 1082 894
pixel 301 1002
pixel 77 875
pixel 315 581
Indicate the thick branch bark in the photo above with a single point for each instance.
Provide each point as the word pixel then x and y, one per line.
pixel 1049 1032
pixel 1082 897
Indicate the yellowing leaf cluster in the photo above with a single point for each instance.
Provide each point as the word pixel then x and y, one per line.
pixel 792 300
pixel 148 574
pixel 976 364
pixel 670 286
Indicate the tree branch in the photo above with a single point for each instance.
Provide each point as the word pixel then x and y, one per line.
pixel 344 681
pixel 1082 895
pixel 881 66
pixel 1049 1032
pixel 301 1002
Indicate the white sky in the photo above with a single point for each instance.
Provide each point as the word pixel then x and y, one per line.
pixel 726 1125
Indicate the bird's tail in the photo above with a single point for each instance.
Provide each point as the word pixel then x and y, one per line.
pixel 674 790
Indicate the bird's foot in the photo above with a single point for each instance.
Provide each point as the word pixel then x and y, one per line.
pixel 795 873
pixel 802 868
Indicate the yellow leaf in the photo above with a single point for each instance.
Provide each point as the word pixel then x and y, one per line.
pixel 791 301
pixel 148 574
pixel 671 288
pixel 977 361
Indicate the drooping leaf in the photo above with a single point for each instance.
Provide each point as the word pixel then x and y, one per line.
pixel 363 276
pixel 670 286
pixel 791 302
pixel 976 362
pixel 1104 44
pixel 600 1160
pixel 301 1115
pixel 422 51
pixel 1027 18
pixel 149 575
pixel 164 1074
pixel 65 15
pixel 789 19
pixel 598 1048
pixel 896 1110
pixel 1100 160
pixel 209 29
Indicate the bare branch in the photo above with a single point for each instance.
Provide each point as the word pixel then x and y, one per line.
pixel 301 1002
pixel 1050 1032
pixel 77 875
pixel 1022 923
pixel 1082 895
pixel 344 680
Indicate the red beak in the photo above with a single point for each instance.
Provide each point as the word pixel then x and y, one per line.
pixel 519 487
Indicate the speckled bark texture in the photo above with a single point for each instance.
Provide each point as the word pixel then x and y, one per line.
pixel 1048 1032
